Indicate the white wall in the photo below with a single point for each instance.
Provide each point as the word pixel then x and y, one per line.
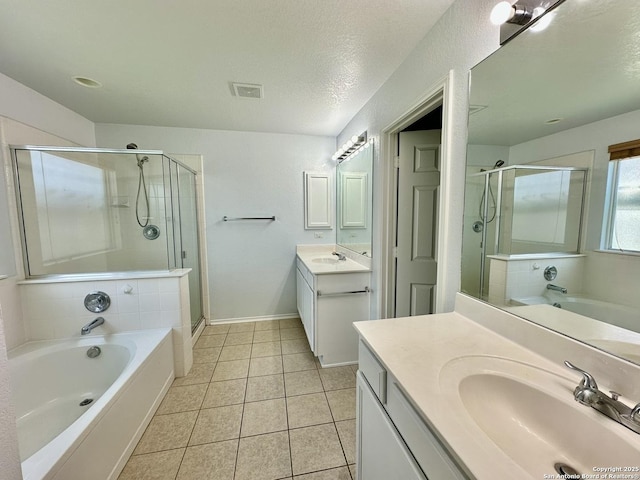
pixel 461 38
pixel 9 456
pixel 25 116
pixel 250 264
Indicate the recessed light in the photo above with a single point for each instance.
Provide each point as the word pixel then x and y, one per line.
pixel 87 82
pixel 553 121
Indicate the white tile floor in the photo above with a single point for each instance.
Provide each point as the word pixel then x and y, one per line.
pixel 255 406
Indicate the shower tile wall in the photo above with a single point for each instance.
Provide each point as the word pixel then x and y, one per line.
pixel 514 278
pixel 56 310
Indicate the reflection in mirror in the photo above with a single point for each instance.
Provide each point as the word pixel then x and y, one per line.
pixel 355 200
pixel 565 99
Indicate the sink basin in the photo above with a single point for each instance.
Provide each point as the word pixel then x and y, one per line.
pixel 531 416
pixel 326 260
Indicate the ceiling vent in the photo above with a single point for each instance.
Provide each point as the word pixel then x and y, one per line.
pixel 247 90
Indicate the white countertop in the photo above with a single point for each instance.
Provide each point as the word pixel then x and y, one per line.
pixel 307 254
pixel 416 349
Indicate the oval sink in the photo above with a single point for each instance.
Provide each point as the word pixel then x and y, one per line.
pixel 530 415
pixel 326 260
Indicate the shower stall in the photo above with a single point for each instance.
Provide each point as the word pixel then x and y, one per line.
pixel 89 211
pixel 520 210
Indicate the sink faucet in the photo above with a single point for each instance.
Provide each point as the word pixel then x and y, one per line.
pixel 556 288
pixel 587 393
pixel 91 325
pixel 339 255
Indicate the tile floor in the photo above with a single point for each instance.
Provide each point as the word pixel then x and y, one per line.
pixel 255 406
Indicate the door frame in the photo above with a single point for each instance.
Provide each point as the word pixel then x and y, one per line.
pixel 440 94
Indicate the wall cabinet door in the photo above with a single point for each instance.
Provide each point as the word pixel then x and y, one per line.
pixel 318 212
pixel 381 453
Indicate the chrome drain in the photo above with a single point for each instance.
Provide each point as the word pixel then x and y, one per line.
pixel 566 471
pixel 93 352
pixel 86 402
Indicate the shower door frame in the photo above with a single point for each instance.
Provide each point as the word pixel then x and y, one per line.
pixel 500 171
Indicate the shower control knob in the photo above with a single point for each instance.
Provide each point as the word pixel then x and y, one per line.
pixel 128 289
pixel 97 302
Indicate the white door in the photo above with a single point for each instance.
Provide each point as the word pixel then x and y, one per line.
pixel 418 194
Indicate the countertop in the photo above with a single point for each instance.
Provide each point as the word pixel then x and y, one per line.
pixel 416 350
pixel 307 254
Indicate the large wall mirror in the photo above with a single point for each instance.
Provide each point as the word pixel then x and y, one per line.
pixel 552 212
pixel 354 183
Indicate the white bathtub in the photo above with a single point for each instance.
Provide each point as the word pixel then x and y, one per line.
pixel 611 313
pixel 60 439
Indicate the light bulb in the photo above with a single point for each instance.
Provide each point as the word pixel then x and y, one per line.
pixel 355 138
pixel 348 145
pixel 334 157
pixel 544 22
pixel 501 13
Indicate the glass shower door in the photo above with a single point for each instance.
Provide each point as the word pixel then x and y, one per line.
pixel 189 254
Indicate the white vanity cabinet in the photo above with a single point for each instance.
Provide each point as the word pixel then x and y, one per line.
pixel 392 440
pixel 328 304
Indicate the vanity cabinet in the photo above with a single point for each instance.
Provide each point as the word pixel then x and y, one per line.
pixel 392 440
pixel 328 304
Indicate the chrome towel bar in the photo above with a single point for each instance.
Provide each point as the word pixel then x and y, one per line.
pixel 366 290
pixel 230 219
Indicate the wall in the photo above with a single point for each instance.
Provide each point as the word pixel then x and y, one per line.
pixel 461 38
pixel 250 264
pixel 608 276
pixel 25 116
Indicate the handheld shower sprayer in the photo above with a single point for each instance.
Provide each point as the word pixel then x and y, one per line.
pixel 491 198
pixel 142 186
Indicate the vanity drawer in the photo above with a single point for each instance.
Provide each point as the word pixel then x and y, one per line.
pixel 304 271
pixel 373 372
pixel 425 447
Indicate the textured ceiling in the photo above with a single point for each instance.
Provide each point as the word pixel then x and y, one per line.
pixel 170 63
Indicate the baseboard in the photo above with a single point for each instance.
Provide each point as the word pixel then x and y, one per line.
pixel 262 318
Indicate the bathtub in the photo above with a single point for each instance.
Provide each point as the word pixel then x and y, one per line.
pixel 611 313
pixel 81 417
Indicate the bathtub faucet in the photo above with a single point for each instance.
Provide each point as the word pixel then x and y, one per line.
pixel 91 325
pixel 556 288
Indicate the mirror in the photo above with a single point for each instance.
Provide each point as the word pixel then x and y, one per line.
pixel 354 183
pixel 557 99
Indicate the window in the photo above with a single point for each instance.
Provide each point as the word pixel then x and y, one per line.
pixel 623 226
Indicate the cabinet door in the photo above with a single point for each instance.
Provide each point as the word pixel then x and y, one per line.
pixel 381 453
pixel 305 297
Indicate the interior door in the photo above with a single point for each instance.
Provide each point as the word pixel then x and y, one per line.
pixel 418 195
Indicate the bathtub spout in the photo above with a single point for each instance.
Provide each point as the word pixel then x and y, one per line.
pixel 556 288
pixel 91 325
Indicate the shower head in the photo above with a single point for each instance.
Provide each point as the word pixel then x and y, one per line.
pixel 498 164
pixel 132 146
pixel 141 159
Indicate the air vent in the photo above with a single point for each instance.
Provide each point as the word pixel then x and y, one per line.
pixel 247 90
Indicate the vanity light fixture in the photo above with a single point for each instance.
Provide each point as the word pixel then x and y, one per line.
pixel 351 147
pixel 504 12
pixel 515 17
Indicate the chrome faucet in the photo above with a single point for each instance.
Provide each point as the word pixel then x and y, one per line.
pixel 556 288
pixel 339 255
pixel 91 325
pixel 587 393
